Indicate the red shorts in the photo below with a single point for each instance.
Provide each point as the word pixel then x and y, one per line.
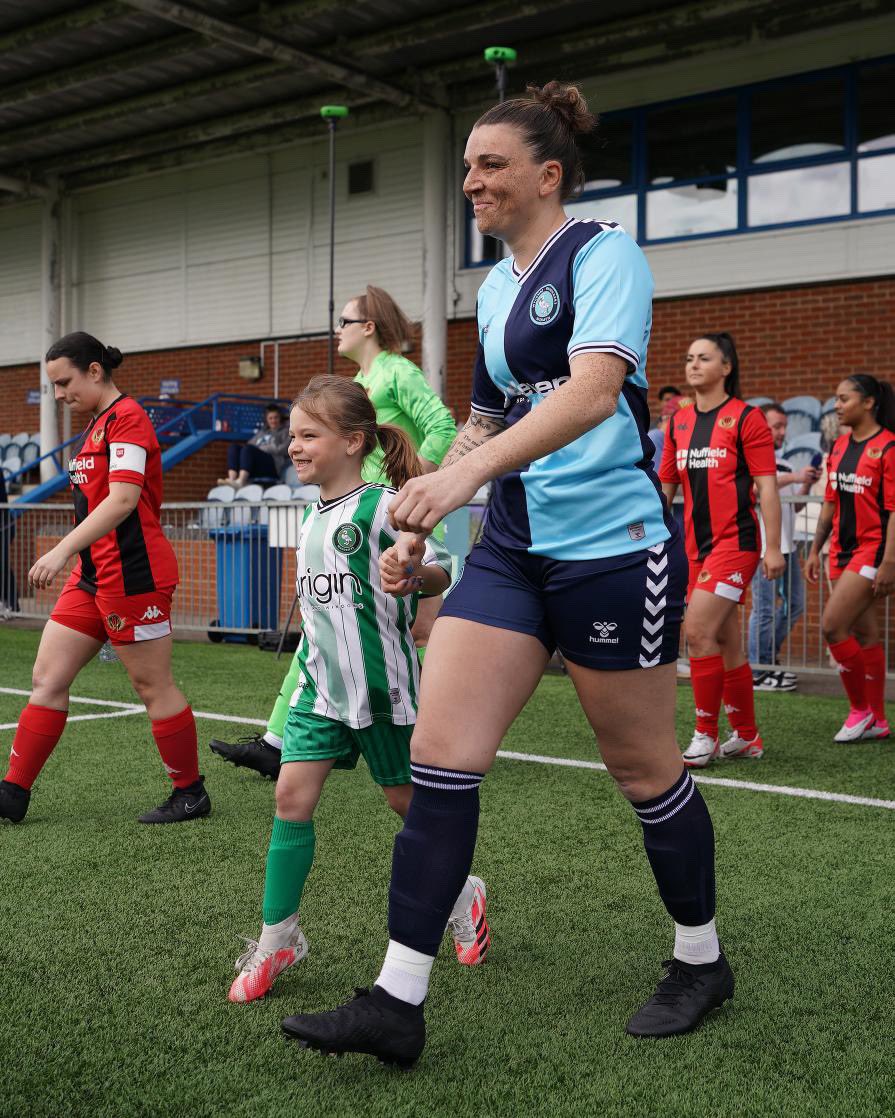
pixel 864 562
pixel 725 572
pixel 120 617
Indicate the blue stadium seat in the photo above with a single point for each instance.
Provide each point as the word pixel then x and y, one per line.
pixel 809 441
pixel 759 401
pixel 803 414
pixel 5 440
pixel 828 405
pixel 289 476
pixel 30 452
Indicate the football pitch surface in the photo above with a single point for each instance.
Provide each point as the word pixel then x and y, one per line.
pixel 119 939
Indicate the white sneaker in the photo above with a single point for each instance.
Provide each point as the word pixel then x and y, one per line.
pixel 259 969
pixel 735 746
pixel 701 750
pixel 853 727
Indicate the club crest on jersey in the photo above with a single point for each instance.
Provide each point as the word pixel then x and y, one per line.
pixel 97 436
pixel 114 622
pixel 726 421
pixel 545 305
pixel 347 538
pixel 874 452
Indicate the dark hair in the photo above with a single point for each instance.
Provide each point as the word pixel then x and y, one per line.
pixel 773 406
pixel 882 394
pixel 549 119
pixel 273 405
pixel 393 327
pixel 83 349
pixel 725 343
pixel 344 406
pixel 671 389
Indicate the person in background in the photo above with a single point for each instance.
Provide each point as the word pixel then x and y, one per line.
pixel 667 391
pixel 372 330
pixel 713 449
pixel 670 405
pixel 264 455
pixel 857 516
pixel 777 606
pixel 121 587
pixel 9 598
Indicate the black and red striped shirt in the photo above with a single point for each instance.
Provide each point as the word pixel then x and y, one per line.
pixel 714 455
pixel 135 558
pixel 861 485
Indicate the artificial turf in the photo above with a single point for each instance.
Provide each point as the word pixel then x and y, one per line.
pixel 118 940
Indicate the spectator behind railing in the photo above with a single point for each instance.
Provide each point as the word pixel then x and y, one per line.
pixel 771 621
pixel 265 454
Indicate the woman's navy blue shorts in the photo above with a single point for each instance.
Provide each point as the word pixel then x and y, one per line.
pixel 612 614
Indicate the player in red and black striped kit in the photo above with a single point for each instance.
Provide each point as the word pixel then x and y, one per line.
pixel 121 586
pixel 718 450
pixel 858 503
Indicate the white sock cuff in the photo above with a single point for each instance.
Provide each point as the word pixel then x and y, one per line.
pixel 406 959
pixel 274 935
pixel 272 740
pixel 697 943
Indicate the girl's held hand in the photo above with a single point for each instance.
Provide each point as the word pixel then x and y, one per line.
pixel 47 567
pixel 884 583
pixel 399 577
pixel 812 567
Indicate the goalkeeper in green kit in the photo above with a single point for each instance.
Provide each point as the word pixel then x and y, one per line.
pixel 372 330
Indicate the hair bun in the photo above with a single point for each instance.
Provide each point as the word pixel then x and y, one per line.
pixel 113 356
pixel 567 102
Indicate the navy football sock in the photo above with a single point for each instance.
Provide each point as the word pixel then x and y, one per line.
pixel 432 855
pixel 680 845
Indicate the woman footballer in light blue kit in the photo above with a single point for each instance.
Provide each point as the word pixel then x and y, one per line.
pixel 358 676
pixel 578 552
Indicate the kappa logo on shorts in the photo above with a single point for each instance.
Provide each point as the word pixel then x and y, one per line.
pixel 347 538
pixel 152 614
pixel 545 305
pixel 726 421
pixel 736 577
pixel 115 623
pixel 704 576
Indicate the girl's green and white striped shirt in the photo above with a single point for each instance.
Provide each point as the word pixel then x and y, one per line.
pixel 357 661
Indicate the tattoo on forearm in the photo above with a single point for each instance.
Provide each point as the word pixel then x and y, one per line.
pixel 477 431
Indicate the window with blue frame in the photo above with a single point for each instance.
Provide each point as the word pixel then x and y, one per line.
pixel 815 148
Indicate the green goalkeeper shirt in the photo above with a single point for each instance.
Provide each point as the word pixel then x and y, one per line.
pixel 401 395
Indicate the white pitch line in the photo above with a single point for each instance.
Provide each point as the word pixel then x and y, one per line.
pixel 723 782
pixel 509 755
pixel 86 717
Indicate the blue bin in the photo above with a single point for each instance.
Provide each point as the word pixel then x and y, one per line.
pixel 248 579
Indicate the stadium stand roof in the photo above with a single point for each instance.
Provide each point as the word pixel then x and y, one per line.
pixel 91 92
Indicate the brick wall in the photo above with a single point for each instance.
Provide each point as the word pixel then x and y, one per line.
pixel 790 341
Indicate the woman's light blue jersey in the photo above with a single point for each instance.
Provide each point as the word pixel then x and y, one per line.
pixel 589 290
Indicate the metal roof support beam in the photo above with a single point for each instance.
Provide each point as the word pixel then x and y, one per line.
pixel 23 186
pixel 216 128
pixel 76 19
pixel 51 320
pixel 145 102
pixel 257 43
pixel 436 161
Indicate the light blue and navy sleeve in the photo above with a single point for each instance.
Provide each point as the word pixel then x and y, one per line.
pixel 612 293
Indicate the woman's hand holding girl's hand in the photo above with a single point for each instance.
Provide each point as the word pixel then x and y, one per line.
pixel 398 574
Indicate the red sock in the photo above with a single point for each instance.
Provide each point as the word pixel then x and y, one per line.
pixel 707 677
pixel 176 741
pixel 38 731
pixel 875 679
pixel 850 658
pixel 739 701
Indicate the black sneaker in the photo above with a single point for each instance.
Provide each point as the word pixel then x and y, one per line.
pixel 181 805
pixel 13 801
pixel 684 996
pixel 250 753
pixel 372 1022
pixel 774 681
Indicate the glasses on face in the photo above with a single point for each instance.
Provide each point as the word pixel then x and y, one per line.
pixel 343 322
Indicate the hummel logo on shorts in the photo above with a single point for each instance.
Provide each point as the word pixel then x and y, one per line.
pixel 152 613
